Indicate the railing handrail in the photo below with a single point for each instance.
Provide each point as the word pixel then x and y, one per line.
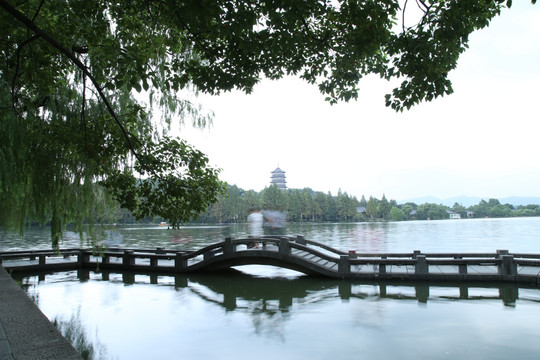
pixel 48 253
pixel 313 251
pixel 40 251
pixel 326 247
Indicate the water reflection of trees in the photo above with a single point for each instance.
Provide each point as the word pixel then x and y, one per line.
pixel 75 332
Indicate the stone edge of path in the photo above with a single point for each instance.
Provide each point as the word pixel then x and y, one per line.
pixel 25 332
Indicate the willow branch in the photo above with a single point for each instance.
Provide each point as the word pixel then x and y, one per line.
pixel 17 65
pixel 83 109
pixel 86 72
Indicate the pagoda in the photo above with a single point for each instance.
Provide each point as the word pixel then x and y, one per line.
pixel 278 178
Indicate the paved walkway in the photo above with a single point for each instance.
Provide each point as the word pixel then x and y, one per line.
pixel 25 333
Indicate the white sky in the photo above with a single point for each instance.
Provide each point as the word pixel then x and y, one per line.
pixel 483 140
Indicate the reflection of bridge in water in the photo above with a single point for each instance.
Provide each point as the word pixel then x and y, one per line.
pixel 269 303
pixel 233 289
pixel 298 254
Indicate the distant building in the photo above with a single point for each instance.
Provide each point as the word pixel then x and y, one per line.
pixel 453 215
pixel 278 178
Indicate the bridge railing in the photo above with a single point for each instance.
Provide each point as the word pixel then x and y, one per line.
pixel 182 260
pixel 487 266
pixel 308 254
pixel 41 257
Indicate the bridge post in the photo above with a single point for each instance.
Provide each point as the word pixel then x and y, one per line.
pixel 82 258
pixel 128 259
pixel 300 240
pixel 0 261
pixel 228 247
pixel 462 268
pixel 421 267
pixel 502 252
pixel 42 259
pixel 180 262
pixel 382 267
pixel 284 248
pixel 344 267
pixel 507 266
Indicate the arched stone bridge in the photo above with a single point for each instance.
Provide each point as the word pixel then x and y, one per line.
pixel 296 253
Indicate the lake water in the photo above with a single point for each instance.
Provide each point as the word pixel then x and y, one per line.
pixel 270 313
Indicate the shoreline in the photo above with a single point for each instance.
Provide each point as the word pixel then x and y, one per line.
pixel 25 332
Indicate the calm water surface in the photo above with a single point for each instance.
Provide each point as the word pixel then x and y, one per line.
pixel 269 313
pixel 514 234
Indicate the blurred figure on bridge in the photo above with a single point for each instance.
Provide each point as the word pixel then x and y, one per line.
pixel 275 222
pixel 255 225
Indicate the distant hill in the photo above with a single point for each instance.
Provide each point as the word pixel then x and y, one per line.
pixel 472 200
pixel 520 200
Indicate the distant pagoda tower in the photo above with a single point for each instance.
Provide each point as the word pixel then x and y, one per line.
pixel 278 178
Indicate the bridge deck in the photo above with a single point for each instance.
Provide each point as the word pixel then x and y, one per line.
pixel 298 254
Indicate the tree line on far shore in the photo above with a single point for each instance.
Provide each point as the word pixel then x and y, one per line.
pixel 307 205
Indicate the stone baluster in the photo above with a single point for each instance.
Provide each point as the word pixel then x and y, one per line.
pixel 344 266
pixel 83 258
pixel 128 259
pixel 421 267
pixel 382 267
pixel 507 266
pixel 180 261
pixel 284 248
pixel 228 247
pixel 462 268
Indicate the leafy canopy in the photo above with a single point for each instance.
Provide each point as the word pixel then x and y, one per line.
pixel 73 127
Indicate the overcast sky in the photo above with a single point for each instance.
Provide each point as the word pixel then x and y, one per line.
pixel 483 140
